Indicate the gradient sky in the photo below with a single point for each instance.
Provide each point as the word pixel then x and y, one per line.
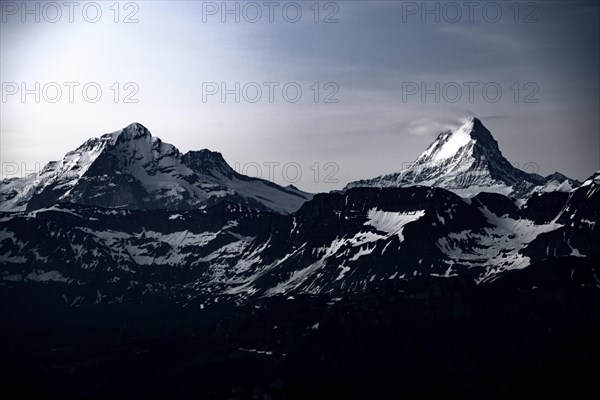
pixel 374 51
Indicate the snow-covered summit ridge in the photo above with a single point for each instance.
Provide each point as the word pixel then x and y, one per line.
pixel 130 168
pixel 469 140
pixel 132 131
pixel 468 161
pixel 593 180
pixel 448 143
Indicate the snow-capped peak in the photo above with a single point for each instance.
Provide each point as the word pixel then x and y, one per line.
pixel 132 131
pixel 131 168
pixel 448 143
pixel 468 141
pixel 467 161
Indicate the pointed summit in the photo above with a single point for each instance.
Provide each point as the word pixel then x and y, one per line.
pixel 448 143
pixel 131 168
pixel 461 142
pixel 466 161
pixel 136 129
pixel 132 131
pixel 481 134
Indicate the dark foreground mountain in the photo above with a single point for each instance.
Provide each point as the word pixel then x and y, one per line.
pixel 530 333
pixel 336 244
pixel 372 293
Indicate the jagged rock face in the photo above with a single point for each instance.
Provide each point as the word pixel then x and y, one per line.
pixel 208 163
pixel 468 161
pixel 256 193
pixel 132 169
pixel 335 244
pixel 127 207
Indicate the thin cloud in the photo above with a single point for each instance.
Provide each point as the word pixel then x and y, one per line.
pixel 429 127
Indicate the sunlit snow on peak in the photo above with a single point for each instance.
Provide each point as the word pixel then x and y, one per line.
pixel 452 142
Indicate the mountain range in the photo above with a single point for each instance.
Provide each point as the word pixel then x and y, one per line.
pixel 131 270
pixel 127 208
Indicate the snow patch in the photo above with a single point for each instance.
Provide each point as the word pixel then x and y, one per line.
pixel 392 222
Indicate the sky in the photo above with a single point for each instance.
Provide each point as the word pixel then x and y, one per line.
pixel 348 90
